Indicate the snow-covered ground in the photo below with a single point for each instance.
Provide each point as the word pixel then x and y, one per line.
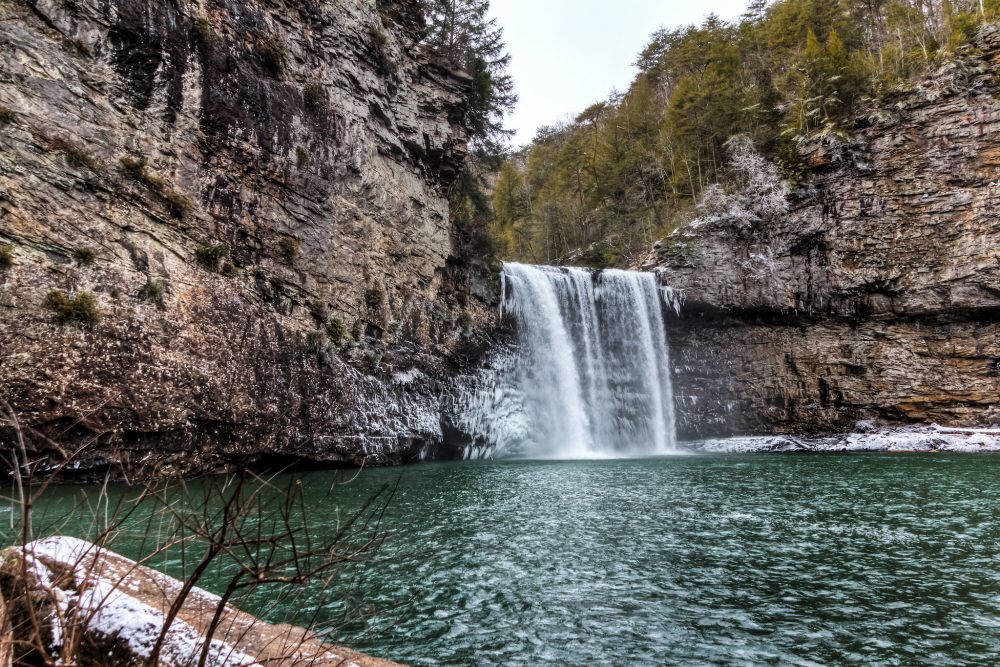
pixel 119 604
pixel 104 607
pixel 867 437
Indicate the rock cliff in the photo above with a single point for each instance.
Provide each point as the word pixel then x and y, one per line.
pixel 224 229
pixel 877 296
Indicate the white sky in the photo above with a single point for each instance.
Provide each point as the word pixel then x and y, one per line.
pixel 568 54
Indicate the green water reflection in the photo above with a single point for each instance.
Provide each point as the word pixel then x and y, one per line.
pixel 811 559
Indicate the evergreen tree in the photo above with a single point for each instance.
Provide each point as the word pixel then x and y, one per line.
pixel 462 33
pixel 630 168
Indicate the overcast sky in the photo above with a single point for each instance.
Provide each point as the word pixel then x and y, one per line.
pixel 568 54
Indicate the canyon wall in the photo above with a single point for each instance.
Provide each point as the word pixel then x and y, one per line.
pixel 224 230
pixel 877 296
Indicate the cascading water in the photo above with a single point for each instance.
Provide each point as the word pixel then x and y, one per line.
pixel 590 376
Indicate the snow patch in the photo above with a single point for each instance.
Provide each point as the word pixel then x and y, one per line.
pixel 761 193
pixel 867 437
pixel 407 377
pixel 107 611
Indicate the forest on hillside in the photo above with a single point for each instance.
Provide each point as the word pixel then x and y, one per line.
pixel 599 190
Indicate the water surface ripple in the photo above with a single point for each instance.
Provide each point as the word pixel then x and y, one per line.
pixel 697 560
pixel 807 560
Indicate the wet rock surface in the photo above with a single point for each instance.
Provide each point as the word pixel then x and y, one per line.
pixel 877 296
pixel 255 196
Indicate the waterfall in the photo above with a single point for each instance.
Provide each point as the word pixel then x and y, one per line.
pixel 591 374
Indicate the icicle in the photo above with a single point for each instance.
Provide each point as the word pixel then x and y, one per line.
pixel 503 293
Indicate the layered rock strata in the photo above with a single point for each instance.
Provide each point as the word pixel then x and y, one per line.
pixel 224 230
pixel 877 296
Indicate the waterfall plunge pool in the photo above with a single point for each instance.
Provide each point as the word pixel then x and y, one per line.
pixel 714 559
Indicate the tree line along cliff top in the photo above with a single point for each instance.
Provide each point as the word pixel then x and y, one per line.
pixel 601 189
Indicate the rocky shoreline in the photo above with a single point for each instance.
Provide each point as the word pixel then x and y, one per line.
pixel 867 437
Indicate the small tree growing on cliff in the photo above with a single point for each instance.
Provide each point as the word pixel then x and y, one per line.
pixel 463 34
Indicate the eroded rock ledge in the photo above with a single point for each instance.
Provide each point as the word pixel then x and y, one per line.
pixel 255 194
pixel 878 296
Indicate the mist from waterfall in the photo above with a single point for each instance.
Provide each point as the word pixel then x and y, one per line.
pixel 590 376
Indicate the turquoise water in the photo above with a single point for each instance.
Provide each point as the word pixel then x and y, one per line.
pixel 806 560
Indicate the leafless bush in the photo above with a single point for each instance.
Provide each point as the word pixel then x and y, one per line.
pixel 253 528
pixel 758 193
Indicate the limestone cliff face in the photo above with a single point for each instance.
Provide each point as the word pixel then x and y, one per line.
pixel 878 296
pixel 255 194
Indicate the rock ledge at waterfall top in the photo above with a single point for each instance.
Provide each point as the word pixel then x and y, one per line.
pixel 876 297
